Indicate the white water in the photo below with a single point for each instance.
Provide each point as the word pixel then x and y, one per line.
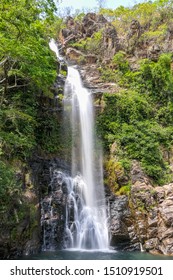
pixel 86 221
pixel 53 47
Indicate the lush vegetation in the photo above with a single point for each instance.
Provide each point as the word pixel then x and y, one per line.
pixel 28 69
pixel 139 118
pixel 153 16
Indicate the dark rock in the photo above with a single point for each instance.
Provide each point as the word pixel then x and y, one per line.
pixel 154 52
pixel 120 226
pixel 160 194
pixel 135 29
pixel 145 219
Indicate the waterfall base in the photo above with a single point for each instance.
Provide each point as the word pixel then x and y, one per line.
pixel 67 222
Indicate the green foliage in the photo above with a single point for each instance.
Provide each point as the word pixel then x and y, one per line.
pixel 155 35
pixel 109 75
pixel 81 44
pixel 90 45
pixel 9 187
pixel 131 121
pixel 79 17
pixel 23 27
pixel 118 71
pixel 27 73
pixel 51 139
pixel 153 16
pixel 18 123
pixel 120 62
pixel 63 72
pixel 26 70
pixel 155 78
pixel 114 172
pixel 124 190
pixel 7 179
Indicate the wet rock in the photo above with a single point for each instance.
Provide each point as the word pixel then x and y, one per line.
pixel 120 227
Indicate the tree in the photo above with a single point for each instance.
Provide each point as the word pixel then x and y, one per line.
pixel 27 69
pixel 24 44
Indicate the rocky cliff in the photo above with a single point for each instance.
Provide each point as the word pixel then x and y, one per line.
pixel 143 218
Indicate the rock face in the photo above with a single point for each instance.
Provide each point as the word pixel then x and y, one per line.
pixel 53 201
pixel 76 30
pixel 53 213
pixel 90 24
pixel 121 226
pixel 134 29
pixel 110 42
pixel 76 56
pixel 154 217
pixel 145 219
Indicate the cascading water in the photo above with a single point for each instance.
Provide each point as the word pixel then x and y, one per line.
pixel 90 217
pixel 85 225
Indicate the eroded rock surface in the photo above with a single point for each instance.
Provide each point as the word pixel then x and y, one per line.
pixel 145 219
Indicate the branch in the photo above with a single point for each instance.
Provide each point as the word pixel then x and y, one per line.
pixel 2 62
pixel 15 85
pixel 3 80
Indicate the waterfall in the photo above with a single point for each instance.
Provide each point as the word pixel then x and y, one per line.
pixel 85 225
pixel 90 217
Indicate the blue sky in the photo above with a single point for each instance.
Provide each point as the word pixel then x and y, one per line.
pixel 79 4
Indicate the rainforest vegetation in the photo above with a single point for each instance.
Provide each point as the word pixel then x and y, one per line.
pixel 27 73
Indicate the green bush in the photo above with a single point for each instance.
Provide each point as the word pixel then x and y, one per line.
pixel 120 62
pixel 129 120
pixel 124 190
